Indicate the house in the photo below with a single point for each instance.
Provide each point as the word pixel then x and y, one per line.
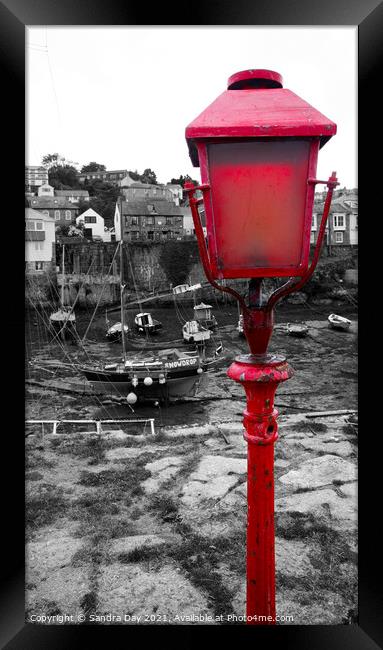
pixel 138 191
pixel 35 176
pixel 73 196
pixel 342 222
pixel 114 176
pixel 152 220
pixel 63 211
pixel 94 226
pixel 40 237
pixel 189 223
pixel 177 192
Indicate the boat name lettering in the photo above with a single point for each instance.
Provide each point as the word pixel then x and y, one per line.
pixel 180 363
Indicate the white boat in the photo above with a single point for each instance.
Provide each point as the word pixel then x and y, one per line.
pixel 193 332
pixel 299 330
pixel 339 322
pixel 203 315
pixel 114 332
pixel 144 323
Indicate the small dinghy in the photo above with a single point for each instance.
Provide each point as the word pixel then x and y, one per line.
pixel 297 329
pixel 114 332
pixel 194 332
pixel 339 322
pixel 145 324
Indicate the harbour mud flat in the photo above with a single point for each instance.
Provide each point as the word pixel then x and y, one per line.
pixel 325 364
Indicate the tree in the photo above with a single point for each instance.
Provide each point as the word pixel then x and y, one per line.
pixel 149 177
pixel 93 167
pixel 134 175
pixel 63 177
pixel 183 179
pixel 177 259
pixel 52 160
pixel 103 197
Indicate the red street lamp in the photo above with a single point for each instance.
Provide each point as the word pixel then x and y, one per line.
pixel 257 147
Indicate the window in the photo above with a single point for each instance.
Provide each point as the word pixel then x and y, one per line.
pixel 339 222
pixel 312 237
pixel 169 220
pixel 57 215
pixel 314 222
pixel 90 219
pixel 149 221
pixel 39 225
pixel 339 237
pixel 30 225
pixel 151 234
pixel 134 235
pixel 67 215
pixel 38 266
pixel 39 245
pixel 46 212
pixel 134 221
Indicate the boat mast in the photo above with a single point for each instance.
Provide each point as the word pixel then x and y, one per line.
pixel 122 287
pixel 62 278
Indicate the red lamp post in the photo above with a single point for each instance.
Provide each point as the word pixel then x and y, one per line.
pixel 257 147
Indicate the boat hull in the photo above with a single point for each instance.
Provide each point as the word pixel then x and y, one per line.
pixel 120 384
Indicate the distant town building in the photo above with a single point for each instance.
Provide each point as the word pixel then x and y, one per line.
pixel 342 222
pixel 114 176
pixel 73 196
pixel 35 176
pixel 138 191
pixel 58 207
pixel 177 191
pixel 39 241
pixel 94 225
pixel 152 220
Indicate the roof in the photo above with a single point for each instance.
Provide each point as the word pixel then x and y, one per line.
pixel 105 171
pixel 257 112
pixel 139 184
pixel 51 202
pixel 90 213
pixel 71 192
pixel 34 214
pixel 140 208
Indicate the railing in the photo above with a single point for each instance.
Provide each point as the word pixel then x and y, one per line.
pixel 98 423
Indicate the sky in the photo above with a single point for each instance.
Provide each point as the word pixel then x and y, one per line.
pixel 122 96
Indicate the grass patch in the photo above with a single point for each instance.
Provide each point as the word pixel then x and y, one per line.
pixel 104 528
pixel 116 484
pixel 45 506
pixel 35 461
pixel 33 476
pixel 90 555
pixel 141 554
pixel 92 506
pixel 332 559
pixel 164 506
pixel 92 447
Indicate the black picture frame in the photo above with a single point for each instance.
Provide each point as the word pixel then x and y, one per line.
pixel 14 16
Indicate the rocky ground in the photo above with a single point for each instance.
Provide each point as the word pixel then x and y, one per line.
pixel 152 528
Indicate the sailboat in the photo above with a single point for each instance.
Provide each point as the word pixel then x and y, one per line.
pixel 165 376
pixel 63 321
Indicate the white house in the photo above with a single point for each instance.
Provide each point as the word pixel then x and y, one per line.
pixel 177 192
pixel 94 222
pixel 40 238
